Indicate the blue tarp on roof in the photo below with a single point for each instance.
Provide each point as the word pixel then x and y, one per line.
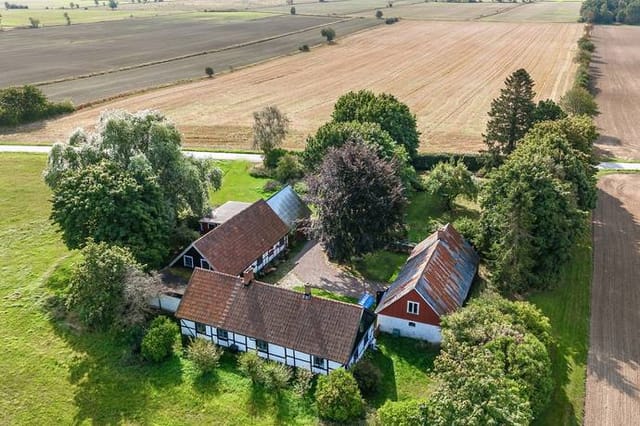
pixel 367 301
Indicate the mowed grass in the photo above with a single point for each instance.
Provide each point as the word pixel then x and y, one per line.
pixel 567 305
pixel 238 184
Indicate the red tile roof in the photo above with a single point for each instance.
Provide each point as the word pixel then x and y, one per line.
pixel 317 326
pixel 233 246
pixel 441 269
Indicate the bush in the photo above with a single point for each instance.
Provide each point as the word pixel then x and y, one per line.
pixel 275 376
pixel 473 162
pixel 338 397
pixel 289 168
pixel 209 71
pixel 250 364
pixel 379 14
pixel 304 48
pixel 293 10
pixel 390 21
pixel 328 33
pixel 402 413
pixel 578 101
pixel 204 355
pixel 19 105
pixel 449 180
pixel 303 382
pixel 258 171
pixel 160 340
pixel 585 44
pixel 272 157
pixel 271 186
pixel 468 228
pixel 368 376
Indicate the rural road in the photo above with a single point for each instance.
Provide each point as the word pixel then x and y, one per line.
pixel 613 371
pixel 256 158
pixel 43 149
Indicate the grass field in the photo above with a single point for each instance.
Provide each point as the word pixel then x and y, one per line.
pixel 20 17
pixel 238 185
pixel 567 306
pixel 448 83
pixel 441 11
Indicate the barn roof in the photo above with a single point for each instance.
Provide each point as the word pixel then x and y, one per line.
pixel 317 326
pixel 233 246
pixel 289 206
pixel 441 269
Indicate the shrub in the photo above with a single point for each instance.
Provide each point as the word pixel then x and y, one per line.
pixel 275 376
pixel 289 168
pixel 303 381
pixel 250 364
pixel 271 186
pixel 390 21
pixel 578 101
pixel 209 71
pixel 402 413
pixel 304 48
pixel 338 397
pixel 585 44
pixel 449 180
pixel 328 33
pixel 368 376
pixel 293 10
pixel 159 342
pixel 272 157
pixel 379 14
pixel 468 228
pixel 204 355
pixel 258 171
pixel 25 104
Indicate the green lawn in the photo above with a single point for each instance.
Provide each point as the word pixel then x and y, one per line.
pixel 238 185
pixel 567 306
pixel 319 292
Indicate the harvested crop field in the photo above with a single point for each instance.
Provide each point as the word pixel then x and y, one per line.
pixel 616 66
pixel 613 372
pixel 554 11
pixel 447 11
pixel 441 70
pixel 36 54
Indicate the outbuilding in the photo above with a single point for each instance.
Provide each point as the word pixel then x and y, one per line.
pixel 434 281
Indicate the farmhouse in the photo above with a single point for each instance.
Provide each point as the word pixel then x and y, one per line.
pixel 220 215
pixel 248 240
pixel 434 281
pixel 282 325
pixel 289 207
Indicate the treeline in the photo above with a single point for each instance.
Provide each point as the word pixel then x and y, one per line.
pixel 8 6
pixel 19 105
pixel 610 11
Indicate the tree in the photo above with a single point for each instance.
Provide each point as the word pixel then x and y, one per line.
pixel 328 33
pixel 511 115
pixel 160 340
pixel 34 23
pixel 269 129
pixel 548 110
pixel 389 113
pixel 204 355
pixel 293 10
pixel 113 4
pixel 250 364
pixel 408 412
pixel 579 131
pixel 338 397
pixel 632 13
pixel 118 185
pixel 379 14
pixel 289 168
pixel 578 101
pixel 208 71
pixel 359 200
pixel 66 16
pixel 26 104
pixel 105 288
pixel 450 180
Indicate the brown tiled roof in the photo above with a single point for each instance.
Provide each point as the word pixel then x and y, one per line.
pixel 317 326
pixel 441 268
pixel 238 242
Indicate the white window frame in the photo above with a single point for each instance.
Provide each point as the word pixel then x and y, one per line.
pixel 202 262
pixel 410 304
pixel 184 261
pixel 265 347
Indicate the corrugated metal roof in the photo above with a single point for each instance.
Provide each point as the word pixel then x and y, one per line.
pixel 289 206
pixel 441 268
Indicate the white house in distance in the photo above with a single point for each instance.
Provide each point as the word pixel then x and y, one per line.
pixel 282 325
pixel 434 281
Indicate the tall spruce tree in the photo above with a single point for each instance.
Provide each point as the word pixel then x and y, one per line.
pixel 511 115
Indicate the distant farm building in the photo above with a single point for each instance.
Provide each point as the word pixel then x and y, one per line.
pixel 281 325
pixel 434 281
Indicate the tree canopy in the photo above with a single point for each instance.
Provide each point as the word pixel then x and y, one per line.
pixel 270 127
pixel 359 200
pixel 118 185
pixel 449 180
pixel 393 116
pixel 578 101
pixel 338 397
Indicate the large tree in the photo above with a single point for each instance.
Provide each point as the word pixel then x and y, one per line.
pixel 270 126
pixel 511 114
pixel 359 200
pixel 127 184
pixel 392 115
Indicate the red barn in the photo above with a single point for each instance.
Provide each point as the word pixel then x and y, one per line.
pixel 434 281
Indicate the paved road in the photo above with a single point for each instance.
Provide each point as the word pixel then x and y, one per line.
pixel 613 371
pixel 44 149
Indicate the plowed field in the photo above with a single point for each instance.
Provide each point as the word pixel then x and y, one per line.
pixel 613 372
pixel 617 67
pixel 446 72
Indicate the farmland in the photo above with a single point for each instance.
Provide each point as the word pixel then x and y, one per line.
pixel 448 83
pixel 562 11
pixel 616 68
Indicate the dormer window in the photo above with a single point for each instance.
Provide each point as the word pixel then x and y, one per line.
pixel 413 308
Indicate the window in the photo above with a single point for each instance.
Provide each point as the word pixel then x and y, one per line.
pixel 222 334
pixel 201 328
pixel 413 308
pixel 259 261
pixel 412 324
pixel 188 261
pixel 204 264
pixel 318 362
pixel 262 345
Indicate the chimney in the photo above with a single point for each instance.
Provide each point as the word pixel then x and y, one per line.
pixel 307 292
pixel 247 276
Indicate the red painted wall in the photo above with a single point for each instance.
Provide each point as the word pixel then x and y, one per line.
pixel 399 309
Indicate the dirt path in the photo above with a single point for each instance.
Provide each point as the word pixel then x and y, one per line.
pixel 613 372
